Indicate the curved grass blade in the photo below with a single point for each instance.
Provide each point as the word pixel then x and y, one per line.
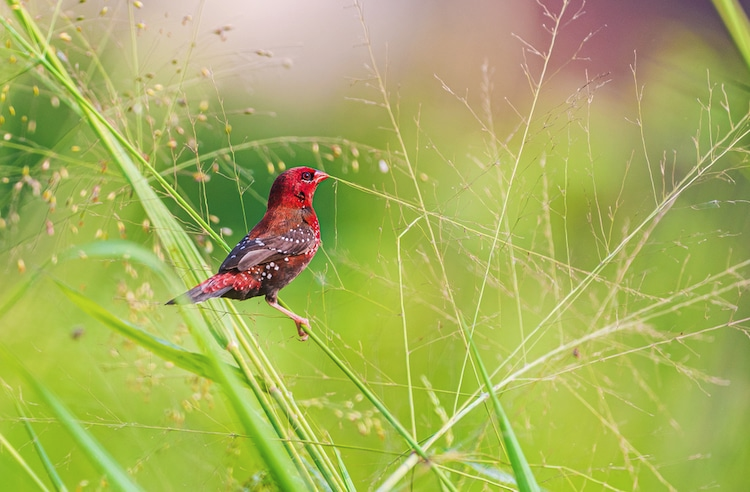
pixel 125 250
pixel 737 24
pixel 521 469
pixel 190 361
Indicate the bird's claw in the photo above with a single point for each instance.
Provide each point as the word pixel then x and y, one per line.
pixel 300 331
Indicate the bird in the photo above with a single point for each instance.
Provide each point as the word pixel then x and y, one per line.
pixel 275 251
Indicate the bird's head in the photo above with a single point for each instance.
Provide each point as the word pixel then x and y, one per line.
pixel 295 187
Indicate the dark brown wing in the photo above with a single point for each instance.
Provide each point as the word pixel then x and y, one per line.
pixel 251 252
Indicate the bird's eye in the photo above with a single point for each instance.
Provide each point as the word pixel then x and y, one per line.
pixel 307 176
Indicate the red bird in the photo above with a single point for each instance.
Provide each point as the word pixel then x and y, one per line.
pixel 275 251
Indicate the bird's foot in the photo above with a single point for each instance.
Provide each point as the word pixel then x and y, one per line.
pixel 298 320
pixel 301 331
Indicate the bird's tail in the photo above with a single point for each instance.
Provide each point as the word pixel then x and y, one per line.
pixel 216 286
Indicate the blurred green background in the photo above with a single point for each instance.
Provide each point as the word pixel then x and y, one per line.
pixel 220 96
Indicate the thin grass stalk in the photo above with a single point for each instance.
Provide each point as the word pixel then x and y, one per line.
pixel 503 220
pixel 421 206
pixel 407 350
pixel 350 487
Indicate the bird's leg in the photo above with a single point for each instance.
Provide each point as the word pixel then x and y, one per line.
pixel 298 320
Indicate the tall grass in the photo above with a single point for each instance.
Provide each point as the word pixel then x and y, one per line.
pixel 488 294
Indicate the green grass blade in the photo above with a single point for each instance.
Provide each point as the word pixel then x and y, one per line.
pixel 524 477
pixel 344 472
pixel 736 21
pixel 46 462
pixel 190 361
pixel 115 249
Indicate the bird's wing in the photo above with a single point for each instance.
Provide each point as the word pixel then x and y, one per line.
pixel 264 249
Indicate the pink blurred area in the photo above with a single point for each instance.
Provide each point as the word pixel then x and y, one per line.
pixel 301 54
pixel 321 43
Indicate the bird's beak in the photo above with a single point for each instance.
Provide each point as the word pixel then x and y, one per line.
pixel 319 176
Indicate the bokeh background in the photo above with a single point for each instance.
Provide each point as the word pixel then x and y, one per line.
pixel 634 94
